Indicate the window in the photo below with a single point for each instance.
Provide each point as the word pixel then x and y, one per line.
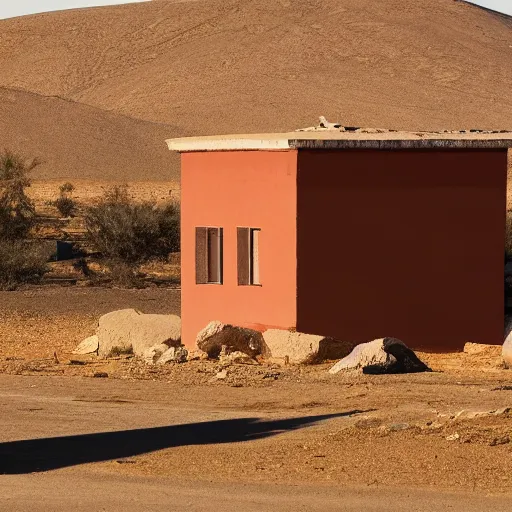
pixel 209 255
pixel 248 260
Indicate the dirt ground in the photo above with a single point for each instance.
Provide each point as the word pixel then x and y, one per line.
pixel 450 429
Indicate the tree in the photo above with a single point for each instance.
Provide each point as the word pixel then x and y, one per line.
pixel 17 211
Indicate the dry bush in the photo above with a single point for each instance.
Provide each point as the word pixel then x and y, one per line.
pixel 65 204
pixel 22 262
pixel 129 233
pixel 17 211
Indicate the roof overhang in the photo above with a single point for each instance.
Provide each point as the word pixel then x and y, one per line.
pixel 343 140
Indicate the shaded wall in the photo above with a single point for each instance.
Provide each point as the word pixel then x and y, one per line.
pixel 240 189
pixel 407 244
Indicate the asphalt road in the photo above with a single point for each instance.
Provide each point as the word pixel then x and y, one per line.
pixel 45 474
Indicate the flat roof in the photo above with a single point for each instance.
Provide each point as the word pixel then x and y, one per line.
pixel 346 138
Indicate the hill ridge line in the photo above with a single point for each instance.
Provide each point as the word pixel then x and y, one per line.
pixel 88 105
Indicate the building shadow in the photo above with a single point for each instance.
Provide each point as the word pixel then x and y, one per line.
pixel 33 455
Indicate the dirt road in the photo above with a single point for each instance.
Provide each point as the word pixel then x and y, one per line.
pixel 83 491
pixel 76 443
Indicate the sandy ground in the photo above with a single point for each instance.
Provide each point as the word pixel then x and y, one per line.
pixel 269 425
pixel 335 435
pixel 36 322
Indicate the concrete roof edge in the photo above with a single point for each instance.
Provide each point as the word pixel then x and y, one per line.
pixel 189 144
pixel 343 140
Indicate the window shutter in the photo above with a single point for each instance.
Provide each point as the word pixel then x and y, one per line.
pixel 201 255
pixel 243 256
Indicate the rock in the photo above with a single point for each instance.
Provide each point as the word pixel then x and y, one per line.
pixel 89 346
pixel 506 352
pixel 453 437
pixel 216 334
pixel 299 348
pixel 197 355
pixel 221 375
pixel 129 330
pixel 385 355
pixel 174 355
pixel 101 375
pixel 365 354
pixel 237 357
pixel 406 361
pixel 152 354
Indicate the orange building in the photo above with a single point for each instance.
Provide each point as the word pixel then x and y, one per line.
pixel 347 234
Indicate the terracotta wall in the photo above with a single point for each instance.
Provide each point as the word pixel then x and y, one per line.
pixel 240 189
pixel 407 244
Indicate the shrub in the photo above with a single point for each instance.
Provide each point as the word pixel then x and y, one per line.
pixel 17 212
pixel 21 262
pixel 65 203
pixel 132 233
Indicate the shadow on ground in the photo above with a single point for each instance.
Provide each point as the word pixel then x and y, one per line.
pixel 50 453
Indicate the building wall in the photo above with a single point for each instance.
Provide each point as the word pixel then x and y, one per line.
pixel 240 189
pixel 407 244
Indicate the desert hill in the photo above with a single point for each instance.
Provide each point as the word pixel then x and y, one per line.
pixel 78 141
pixel 220 66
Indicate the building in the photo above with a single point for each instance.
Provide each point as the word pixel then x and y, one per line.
pixel 353 234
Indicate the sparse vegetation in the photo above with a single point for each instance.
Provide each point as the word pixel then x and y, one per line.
pixel 17 211
pixel 22 262
pixel 128 233
pixel 65 203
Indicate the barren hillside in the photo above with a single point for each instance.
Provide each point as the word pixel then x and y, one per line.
pixel 217 66
pixel 229 65
pixel 77 141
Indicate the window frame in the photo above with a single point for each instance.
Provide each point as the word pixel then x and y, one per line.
pixel 246 256
pixel 203 252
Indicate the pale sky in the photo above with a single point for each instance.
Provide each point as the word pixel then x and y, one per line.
pixel 10 8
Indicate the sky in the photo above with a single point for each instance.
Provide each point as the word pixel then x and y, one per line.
pixel 10 8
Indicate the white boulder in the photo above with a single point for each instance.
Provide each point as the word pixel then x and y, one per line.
pixel 299 348
pixel 88 346
pixel 129 330
pixel 366 354
pixel 384 355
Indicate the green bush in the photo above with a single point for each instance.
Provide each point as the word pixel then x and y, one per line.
pixel 22 262
pixel 17 211
pixel 128 233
